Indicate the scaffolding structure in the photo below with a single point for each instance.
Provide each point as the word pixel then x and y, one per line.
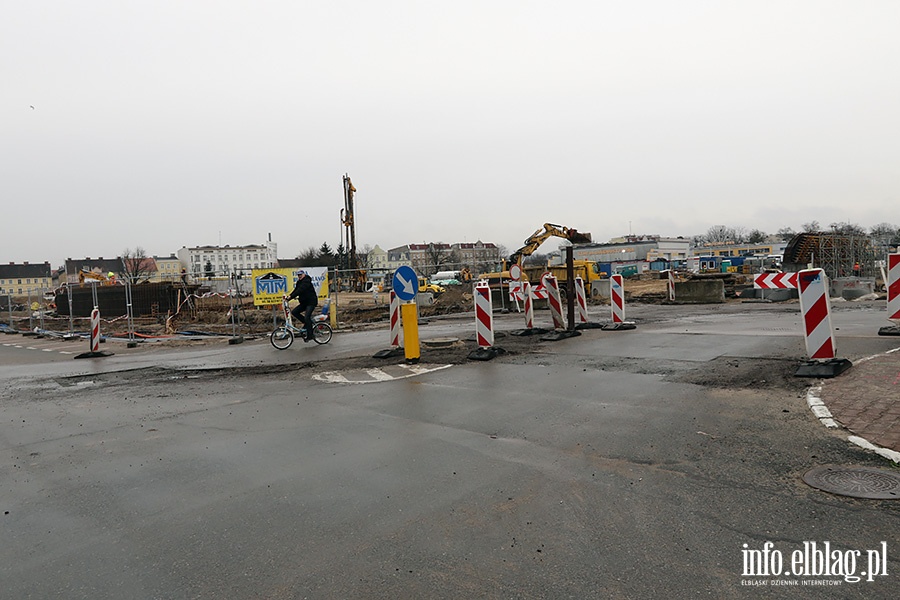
pixel 842 255
pixel 838 254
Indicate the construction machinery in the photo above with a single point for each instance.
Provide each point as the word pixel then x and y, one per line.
pixel 85 275
pixel 533 242
pixel 358 276
pixel 584 269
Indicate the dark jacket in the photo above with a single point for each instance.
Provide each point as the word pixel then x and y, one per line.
pixel 305 292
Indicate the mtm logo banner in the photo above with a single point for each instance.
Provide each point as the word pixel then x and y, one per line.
pixel 269 285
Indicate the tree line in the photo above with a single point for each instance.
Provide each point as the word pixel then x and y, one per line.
pixel 884 233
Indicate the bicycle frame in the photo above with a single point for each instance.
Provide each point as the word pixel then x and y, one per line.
pixel 289 317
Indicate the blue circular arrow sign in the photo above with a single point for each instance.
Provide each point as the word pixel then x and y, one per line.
pixel 405 283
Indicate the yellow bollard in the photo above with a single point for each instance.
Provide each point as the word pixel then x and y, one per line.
pixel 332 312
pixel 410 320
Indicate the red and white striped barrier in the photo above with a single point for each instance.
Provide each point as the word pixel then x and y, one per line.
pixel 95 330
pixel 538 292
pixel 580 301
pixel 670 287
pixel 484 316
pixel 395 320
pixel 815 307
pixel 529 308
pixel 554 301
pixel 617 298
pixel 893 287
pixel 775 281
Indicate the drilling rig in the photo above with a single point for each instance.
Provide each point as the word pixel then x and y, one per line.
pixel 358 276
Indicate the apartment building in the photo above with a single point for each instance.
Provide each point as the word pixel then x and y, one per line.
pixel 222 261
pixel 24 278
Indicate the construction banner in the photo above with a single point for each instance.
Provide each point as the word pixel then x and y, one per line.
pixel 270 285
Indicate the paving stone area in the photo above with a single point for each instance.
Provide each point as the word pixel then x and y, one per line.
pixel 866 400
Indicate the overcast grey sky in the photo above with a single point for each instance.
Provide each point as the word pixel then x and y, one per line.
pixel 169 123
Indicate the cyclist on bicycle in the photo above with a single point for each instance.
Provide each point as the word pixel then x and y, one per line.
pixel 305 293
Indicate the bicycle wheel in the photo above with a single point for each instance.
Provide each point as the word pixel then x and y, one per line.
pixel 282 338
pixel 322 332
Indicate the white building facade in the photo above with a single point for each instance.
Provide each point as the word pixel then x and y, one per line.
pixel 222 261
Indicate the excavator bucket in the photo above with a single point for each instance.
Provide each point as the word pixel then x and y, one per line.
pixel 578 237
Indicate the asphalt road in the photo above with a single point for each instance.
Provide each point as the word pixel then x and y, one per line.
pixel 630 464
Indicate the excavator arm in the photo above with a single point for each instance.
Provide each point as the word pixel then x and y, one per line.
pixel 541 235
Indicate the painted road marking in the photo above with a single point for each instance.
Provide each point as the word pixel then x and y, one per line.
pixel 59 348
pixel 388 373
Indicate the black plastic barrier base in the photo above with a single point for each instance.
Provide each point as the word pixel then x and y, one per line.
pixel 823 369
pixel 588 325
pixel 529 331
pixel 562 334
pixel 486 353
pixel 100 354
pixel 625 326
pixel 390 353
pixel 889 330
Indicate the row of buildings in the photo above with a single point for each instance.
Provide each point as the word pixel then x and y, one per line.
pixel 198 263
pixel 645 252
pixel 194 264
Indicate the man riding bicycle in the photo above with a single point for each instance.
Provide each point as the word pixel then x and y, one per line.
pixel 305 293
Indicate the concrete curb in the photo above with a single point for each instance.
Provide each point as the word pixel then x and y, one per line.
pixel 821 412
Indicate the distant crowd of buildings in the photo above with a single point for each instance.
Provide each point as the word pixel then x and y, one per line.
pixel 193 264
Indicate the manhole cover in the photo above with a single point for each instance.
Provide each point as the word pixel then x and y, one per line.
pixel 440 342
pixel 857 482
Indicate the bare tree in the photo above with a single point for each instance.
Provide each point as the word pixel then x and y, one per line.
pixel 847 228
pixel 310 255
pixel 437 256
pixel 886 233
pixel 537 260
pixel 811 227
pixel 785 234
pixel 362 255
pixel 756 236
pixel 137 267
pixel 719 234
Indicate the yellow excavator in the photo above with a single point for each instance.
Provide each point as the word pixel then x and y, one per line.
pixel 531 244
pixel 542 235
pixel 86 275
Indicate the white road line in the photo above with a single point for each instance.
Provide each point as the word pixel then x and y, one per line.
pixel 333 377
pixel 377 375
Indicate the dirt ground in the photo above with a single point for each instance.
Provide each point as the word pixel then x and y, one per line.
pixel 214 315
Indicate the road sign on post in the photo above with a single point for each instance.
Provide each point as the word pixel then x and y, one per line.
pixel 405 283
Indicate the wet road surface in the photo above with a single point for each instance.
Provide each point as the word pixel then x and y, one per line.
pixel 612 465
